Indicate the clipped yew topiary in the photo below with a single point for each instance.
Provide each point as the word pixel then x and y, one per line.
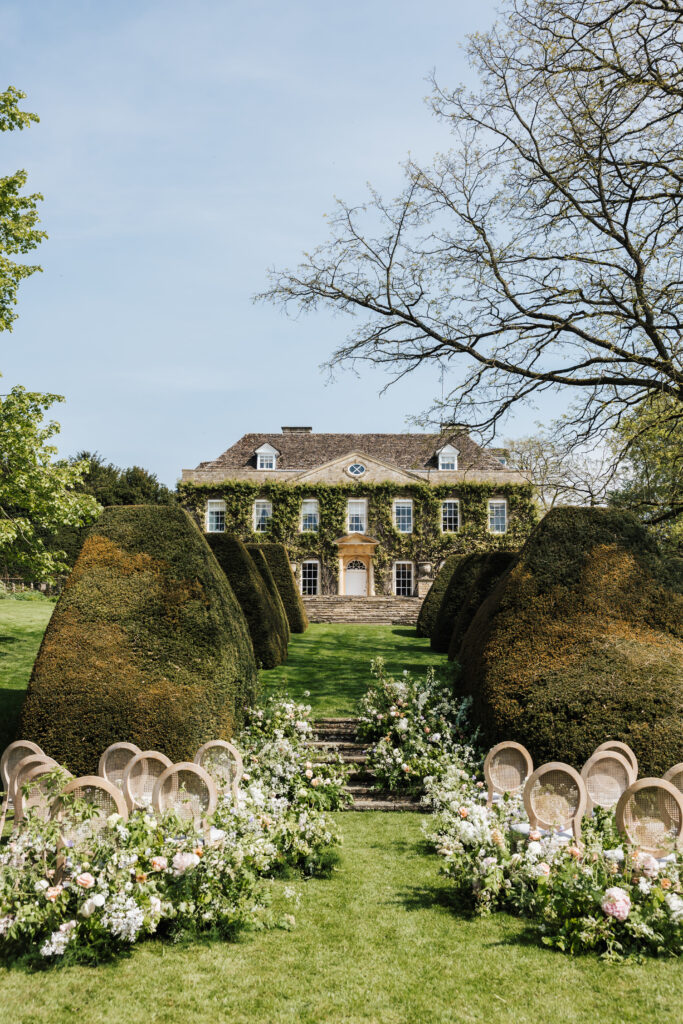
pixel 263 619
pixel 462 577
pixel 259 560
pixel 580 642
pixel 147 643
pixel 278 560
pixel 430 606
pixel 494 564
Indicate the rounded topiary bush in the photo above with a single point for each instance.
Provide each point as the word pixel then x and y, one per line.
pixel 270 647
pixel 462 577
pixel 280 566
pixel 147 643
pixel 430 606
pixel 580 642
pixel 259 560
pixel 494 564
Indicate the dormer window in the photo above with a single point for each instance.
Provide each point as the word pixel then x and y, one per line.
pixel 266 457
pixel 448 458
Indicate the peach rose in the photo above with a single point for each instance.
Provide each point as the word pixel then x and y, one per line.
pixel 86 880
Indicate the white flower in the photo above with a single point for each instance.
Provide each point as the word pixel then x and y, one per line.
pixel 182 862
pixel 616 855
pixel 113 820
pixel 216 835
pixel 41 885
pixel 675 905
pixel 402 725
pixel 534 850
pixel 645 886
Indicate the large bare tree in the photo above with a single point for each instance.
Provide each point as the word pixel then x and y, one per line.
pixel 543 251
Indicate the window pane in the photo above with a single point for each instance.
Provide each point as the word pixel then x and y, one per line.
pixel 215 519
pixel 403 579
pixel 450 516
pixel 310 517
pixel 356 516
pixel 403 514
pixel 263 511
pixel 266 462
pixel 497 516
pixel 309 578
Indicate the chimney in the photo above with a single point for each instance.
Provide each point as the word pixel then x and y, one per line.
pixel 297 430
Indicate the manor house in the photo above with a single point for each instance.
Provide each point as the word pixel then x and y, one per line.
pixel 362 514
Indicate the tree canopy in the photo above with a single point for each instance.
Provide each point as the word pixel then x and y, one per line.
pixel 542 252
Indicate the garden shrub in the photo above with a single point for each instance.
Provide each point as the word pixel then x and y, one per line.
pixel 147 643
pixel 430 606
pixel 580 642
pixel 491 569
pixel 263 620
pixel 259 560
pixel 464 574
pixel 277 558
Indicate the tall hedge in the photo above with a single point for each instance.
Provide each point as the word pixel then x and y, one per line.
pixel 147 643
pixel 263 619
pixel 462 578
pixel 430 606
pixel 580 642
pixel 278 560
pixel 491 569
pixel 259 560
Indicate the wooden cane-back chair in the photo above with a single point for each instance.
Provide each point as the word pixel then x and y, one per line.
pixel 650 815
pixel 140 777
pixel 675 776
pixel 607 775
pixel 41 792
pixel 623 749
pixel 114 762
pixel 188 790
pixel 12 755
pixel 224 764
pixel 22 769
pixel 507 767
pixel 103 795
pixel 555 798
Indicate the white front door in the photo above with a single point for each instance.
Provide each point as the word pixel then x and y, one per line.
pixel 356 579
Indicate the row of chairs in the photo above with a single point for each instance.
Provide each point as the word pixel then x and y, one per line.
pixel 128 778
pixel 649 812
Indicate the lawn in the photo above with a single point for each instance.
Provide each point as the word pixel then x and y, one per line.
pixel 333 663
pixel 22 624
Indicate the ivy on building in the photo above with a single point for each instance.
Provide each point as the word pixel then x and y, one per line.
pixel 426 543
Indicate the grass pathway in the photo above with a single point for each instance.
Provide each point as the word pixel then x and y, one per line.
pixel 22 624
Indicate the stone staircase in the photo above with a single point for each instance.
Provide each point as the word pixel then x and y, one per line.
pixel 338 735
pixel 382 610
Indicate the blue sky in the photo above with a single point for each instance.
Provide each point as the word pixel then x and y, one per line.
pixel 184 148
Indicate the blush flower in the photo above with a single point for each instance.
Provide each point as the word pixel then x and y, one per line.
pixel 52 892
pixel 86 880
pixel 182 862
pixel 159 863
pixel 616 903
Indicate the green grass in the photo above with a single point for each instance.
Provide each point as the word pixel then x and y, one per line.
pixel 22 624
pixel 376 943
pixel 333 662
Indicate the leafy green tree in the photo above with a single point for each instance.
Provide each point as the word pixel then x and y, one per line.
pixel 111 485
pixel 37 493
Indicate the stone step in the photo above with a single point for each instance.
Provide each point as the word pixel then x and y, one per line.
pixel 381 609
pixel 346 758
pixel 343 746
pixel 386 805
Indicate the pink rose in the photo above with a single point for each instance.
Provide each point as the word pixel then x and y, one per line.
pixel 647 865
pixel 86 880
pixel 182 862
pixel 464 812
pixel 616 903
pixel 543 868
pixel 159 863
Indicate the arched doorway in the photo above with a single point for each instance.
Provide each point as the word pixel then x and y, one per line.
pixel 356 578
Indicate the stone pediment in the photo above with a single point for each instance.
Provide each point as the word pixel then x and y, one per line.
pixel 376 472
pixel 356 540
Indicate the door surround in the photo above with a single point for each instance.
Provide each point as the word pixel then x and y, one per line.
pixel 356 547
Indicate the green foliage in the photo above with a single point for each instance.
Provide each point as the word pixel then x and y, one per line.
pixel 425 544
pixel 278 561
pixel 37 495
pixel 147 643
pixel 259 560
pixel 458 585
pixel 426 620
pixel 580 642
pixel 270 646
pixel 491 569
pixel 18 214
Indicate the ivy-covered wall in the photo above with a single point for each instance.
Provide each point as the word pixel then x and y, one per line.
pixel 425 544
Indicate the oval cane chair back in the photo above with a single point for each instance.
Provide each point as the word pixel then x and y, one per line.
pixel 507 767
pixel 114 762
pixel 224 764
pixel 140 776
pixel 100 793
pixel 675 776
pixel 16 779
pixel 650 815
pixel 623 749
pixel 188 790
pixel 607 775
pixel 41 794
pixel 13 754
pixel 555 797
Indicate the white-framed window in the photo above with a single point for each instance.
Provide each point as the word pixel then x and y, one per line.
pixel 403 579
pixel 215 516
pixel 310 515
pixel 498 516
pixel 450 516
pixel 356 469
pixel 310 577
pixel 356 515
pixel 263 513
pixel 502 459
pixel 448 457
pixel 403 515
pixel 266 457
